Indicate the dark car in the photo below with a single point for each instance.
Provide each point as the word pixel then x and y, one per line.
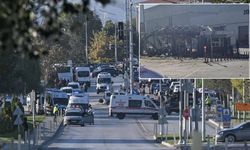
pixel 239 133
pixel 172 107
pixel 112 71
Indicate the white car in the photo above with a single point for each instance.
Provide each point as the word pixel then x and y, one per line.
pixel 74 85
pixel 68 90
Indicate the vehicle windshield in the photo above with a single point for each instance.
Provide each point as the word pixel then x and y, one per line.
pixel 73 86
pixel 61 101
pixel 63 69
pixel 104 80
pixel 83 74
pixel 73 114
pixel 67 90
pixel 238 126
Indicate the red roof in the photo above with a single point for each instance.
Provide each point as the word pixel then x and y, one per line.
pixel 173 1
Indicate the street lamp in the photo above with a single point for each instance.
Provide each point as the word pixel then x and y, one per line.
pixel 115 33
pixel 86 30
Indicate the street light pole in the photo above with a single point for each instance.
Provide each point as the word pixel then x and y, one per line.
pixel 86 29
pixel 131 46
pixel 115 44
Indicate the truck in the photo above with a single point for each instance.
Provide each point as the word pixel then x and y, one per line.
pixel 83 75
pixel 132 104
pixel 64 71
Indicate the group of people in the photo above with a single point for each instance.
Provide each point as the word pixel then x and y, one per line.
pixel 62 83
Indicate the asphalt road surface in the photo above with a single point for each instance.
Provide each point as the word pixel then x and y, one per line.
pixel 193 68
pixel 106 133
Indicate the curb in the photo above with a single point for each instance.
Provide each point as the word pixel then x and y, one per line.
pixel 164 143
pixel 215 124
pixel 46 141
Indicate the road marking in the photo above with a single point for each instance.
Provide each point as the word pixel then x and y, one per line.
pixel 190 73
pixel 141 125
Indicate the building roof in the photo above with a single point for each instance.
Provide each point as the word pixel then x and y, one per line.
pixel 173 1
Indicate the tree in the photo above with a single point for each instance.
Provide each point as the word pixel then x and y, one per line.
pixel 99 49
pixel 238 84
pixel 223 85
pixel 110 28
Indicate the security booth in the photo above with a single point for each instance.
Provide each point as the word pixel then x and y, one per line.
pixel 221 44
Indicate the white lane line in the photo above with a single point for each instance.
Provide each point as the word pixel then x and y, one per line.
pixel 190 73
pixel 141 125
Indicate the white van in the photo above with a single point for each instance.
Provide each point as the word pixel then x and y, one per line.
pixel 55 97
pixel 79 100
pixel 83 75
pixel 132 104
pixel 103 81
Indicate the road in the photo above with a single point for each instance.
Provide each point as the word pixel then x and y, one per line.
pixel 107 133
pixel 193 68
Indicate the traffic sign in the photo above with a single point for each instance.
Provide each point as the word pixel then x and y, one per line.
pixel 18 111
pixel 226 114
pixel 226 124
pixel 135 91
pixel 219 108
pixel 18 121
pixel 186 114
pixel 218 117
pixel 242 106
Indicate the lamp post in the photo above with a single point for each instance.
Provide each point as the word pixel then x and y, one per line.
pixel 115 33
pixel 86 29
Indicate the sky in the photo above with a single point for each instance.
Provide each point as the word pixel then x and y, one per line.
pixel 117 7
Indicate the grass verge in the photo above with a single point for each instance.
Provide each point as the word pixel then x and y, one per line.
pixel 170 139
pixel 7 136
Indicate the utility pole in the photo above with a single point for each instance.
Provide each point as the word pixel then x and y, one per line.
pixel 86 30
pixel 115 44
pixel 131 46
pixel 181 112
pixel 244 101
pixel 194 105
pixel 203 111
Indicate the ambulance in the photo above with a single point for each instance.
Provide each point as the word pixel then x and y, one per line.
pixel 132 104
pixel 54 97
pixel 103 82
pixel 79 100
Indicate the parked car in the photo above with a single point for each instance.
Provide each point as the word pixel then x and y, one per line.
pixel 239 133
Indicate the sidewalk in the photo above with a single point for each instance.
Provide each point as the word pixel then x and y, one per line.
pixel 46 131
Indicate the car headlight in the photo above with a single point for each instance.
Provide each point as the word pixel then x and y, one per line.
pixel 220 133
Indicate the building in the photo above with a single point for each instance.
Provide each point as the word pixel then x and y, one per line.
pixel 228 22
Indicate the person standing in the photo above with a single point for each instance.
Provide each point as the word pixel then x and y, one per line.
pixel 25 128
pixel 55 112
pixel 237 46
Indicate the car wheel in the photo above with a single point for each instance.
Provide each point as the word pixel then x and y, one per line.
pixel 155 116
pixel 231 138
pixel 120 116
pixel 169 113
pixel 65 125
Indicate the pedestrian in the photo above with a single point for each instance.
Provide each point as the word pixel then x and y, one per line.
pixel 55 112
pixel 25 128
pixel 237 46
pixel 85 87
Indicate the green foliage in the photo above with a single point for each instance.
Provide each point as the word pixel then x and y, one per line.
pixel 238 84
pixel 99 49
